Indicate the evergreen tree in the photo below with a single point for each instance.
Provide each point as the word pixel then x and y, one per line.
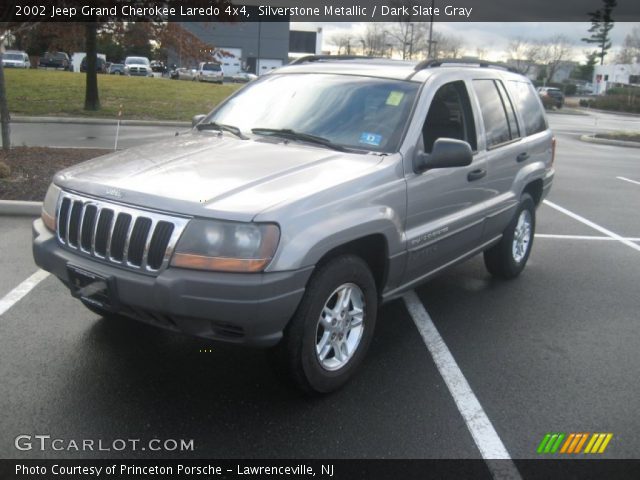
pixel 601 25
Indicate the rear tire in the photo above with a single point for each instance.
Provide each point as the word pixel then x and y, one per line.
pixel 330 333
pixel 508 258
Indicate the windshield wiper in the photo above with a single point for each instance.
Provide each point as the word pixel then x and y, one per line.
pixel 222 127
pixel 293 135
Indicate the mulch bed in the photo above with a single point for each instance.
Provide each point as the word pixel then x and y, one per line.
pixel 32 169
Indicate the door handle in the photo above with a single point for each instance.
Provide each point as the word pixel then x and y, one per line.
pixel 476 174
pixel 522 157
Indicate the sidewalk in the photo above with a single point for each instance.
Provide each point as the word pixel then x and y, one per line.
pixel 99 121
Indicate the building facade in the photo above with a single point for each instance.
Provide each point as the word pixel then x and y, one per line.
pixel 256 47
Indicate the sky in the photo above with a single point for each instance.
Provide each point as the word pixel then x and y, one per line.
pixel 492 36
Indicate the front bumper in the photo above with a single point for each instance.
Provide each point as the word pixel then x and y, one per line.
pixel 251 309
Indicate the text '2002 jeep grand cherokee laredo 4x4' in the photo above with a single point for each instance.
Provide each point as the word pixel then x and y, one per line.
pixel 303 201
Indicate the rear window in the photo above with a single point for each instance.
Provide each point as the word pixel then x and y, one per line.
pixel 211 67
pixel 529 105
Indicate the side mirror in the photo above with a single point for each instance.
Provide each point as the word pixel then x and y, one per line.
pixel 446 153
pixel 196 120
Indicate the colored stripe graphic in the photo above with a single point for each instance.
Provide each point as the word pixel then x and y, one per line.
pixel 573 443
pixel 550 443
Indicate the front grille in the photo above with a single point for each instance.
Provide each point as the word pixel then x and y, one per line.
pixel 130 237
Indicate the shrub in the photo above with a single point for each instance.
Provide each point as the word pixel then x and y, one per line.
pixel 5 170
pixel 617 103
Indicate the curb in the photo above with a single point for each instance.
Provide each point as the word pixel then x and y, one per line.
pixel 20 208
pixel 99 121
pixel 611 112
pixel 568 111
pixel 606 141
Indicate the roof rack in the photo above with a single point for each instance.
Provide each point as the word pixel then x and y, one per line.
pixel 457 61
pixel 317 58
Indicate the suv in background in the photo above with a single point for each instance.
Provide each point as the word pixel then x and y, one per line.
pixel 304 201
pixel 101 65
pixel 55 60
pixel 553 96
pixel 116 69
pixel 210 72
pixel 137 66
pixel 15 59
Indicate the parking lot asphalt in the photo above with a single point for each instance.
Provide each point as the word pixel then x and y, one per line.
pixel 556 350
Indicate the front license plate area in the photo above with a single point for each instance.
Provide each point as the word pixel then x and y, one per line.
pixel 90 287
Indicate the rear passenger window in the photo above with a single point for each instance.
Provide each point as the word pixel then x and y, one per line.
pixel 514 129
pixel 494 113
pixel 529 105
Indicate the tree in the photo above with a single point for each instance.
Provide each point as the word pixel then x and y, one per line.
pixel 522 55
pixel 373 39
pixel 342 41
pixel 585 72
pixel 601 25
pixel 553 53
pixel 630 51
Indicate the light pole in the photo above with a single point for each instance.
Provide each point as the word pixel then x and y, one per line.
pixel 411 42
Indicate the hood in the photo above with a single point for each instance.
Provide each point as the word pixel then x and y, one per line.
pixel 205 174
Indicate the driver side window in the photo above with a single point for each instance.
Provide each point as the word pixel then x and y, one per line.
pixel 449 116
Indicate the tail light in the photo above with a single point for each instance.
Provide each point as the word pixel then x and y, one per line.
pixel 553 150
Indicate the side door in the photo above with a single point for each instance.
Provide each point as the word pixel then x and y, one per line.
pixel 444 205
pixel 505 152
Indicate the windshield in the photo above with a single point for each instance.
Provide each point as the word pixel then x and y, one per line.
pixel 358 112
pixel 211 67
pixel 13 56
pixel 137 60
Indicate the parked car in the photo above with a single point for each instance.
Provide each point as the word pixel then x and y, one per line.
pixel 302 202
pixel 137 66
pixel 158 67
pixel 55 60
pixel 244 77
pixel 184 74
pixel 15 59
pixel 553 95
pixel 210 72
pixel 116 69
pixel 101 66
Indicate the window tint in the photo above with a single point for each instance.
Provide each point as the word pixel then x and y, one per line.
pixel 493 112
pixel 528 104
pixel 514 129
pixel 449 116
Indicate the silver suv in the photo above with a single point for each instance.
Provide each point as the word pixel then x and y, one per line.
pixel 289 213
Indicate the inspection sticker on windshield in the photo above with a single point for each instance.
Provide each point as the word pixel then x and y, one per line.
pixel 370 139
pixel 394 98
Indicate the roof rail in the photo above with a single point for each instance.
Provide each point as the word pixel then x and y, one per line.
pixel 317 58
pixel 457 61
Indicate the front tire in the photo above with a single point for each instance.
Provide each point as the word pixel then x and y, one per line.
pixel 330 333
pixel 508 258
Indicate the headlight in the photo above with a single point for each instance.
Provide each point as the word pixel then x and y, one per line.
pixel 48 214
pixel 226 246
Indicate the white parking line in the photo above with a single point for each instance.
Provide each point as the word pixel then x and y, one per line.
pixel 479 425
pixel 595 226
pixel 14 296
pixel 628 180
pixel 584 237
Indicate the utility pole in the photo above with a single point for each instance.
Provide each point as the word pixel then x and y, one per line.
pixel 431 31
